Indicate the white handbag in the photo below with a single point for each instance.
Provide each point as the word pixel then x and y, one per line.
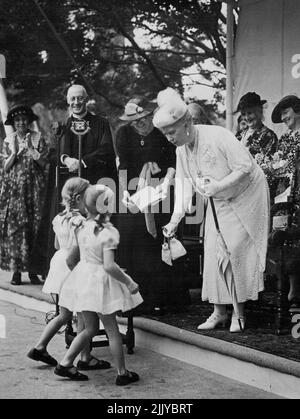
pixel 166 253
pixel 177 249
pixel 172 249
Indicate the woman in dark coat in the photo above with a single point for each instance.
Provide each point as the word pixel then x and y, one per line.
pixel 146 158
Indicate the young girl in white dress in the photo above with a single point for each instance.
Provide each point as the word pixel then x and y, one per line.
pixel 101 287
pixel 64 225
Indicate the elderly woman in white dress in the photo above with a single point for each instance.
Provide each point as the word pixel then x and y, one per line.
pixel 212 161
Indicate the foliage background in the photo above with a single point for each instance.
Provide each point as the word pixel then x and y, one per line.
pixel 116 48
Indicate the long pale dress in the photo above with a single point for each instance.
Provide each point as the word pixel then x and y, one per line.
pixel 21 201
pixel 242 211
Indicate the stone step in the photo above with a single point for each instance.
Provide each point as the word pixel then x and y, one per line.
pixel 267 372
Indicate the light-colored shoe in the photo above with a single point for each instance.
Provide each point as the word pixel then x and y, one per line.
pixel 213 321
pixel 237 325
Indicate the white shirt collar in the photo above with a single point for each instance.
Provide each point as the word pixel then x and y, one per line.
pixel 81 116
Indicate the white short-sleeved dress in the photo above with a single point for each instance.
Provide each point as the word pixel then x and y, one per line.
pixel 89 287
pixel 64 225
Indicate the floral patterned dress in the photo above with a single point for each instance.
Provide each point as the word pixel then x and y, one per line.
pixel 262 144
pixel 21 200
pixel 261 140
pixel 289 146
pixel 287 155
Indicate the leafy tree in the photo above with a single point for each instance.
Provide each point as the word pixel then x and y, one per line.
pixel 115 47
pixel 24 35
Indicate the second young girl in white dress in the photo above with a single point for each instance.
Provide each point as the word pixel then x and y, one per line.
pixel 64 225
pixel 100 287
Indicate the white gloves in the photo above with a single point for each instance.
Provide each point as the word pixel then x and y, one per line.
pixel 208 186
pixel 14 147
pixel 24 146
pixel 170 229
pixel 126 200
pixel 72 164
pixel 34 153
pixel 163 187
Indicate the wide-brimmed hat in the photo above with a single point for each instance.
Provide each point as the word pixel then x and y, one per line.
pixel 250 100
pixel 137 108
pixel 20 110
pixel 289 101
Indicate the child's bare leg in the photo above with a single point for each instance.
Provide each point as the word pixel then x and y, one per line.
pixel 115 341
pixel 52 328
pixel 85 354
pixel 83 338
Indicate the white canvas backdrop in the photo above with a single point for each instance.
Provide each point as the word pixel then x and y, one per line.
pixel 267 52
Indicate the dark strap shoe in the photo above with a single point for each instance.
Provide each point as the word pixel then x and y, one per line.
pixel 16 279
pixel 41 356
pixel 128 378
pixel 98 364
pixel 70 372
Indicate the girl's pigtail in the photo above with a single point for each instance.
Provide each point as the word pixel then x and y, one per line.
pixel 72 201
pixel 72 188
pixel 102 206
pixel 100 221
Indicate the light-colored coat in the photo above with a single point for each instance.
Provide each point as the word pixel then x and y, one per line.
pixel 242 208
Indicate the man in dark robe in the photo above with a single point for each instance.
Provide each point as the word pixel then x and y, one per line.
pixel 98 156
pixel 98 162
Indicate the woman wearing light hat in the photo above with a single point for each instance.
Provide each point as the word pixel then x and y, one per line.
pixel 213 162
pixel 148 158
pixel 22 193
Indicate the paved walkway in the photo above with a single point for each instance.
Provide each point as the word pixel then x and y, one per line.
pixel 161 377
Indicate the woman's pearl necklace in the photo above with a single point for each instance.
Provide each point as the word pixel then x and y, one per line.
pixel 191 145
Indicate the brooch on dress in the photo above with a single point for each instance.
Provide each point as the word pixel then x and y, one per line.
pixel 208 156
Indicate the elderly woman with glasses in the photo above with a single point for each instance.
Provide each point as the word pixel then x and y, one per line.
pixel 146 159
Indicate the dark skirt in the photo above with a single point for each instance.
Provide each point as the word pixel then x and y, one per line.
pixel 140 254
pixel 292 260
pixel 44 243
